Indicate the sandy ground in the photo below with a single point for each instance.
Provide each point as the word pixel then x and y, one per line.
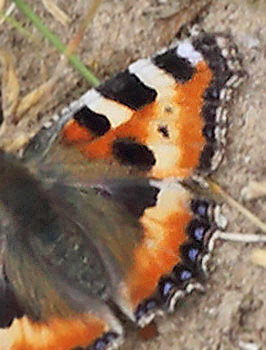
pixel 232 313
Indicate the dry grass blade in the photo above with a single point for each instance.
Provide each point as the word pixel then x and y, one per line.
pixel 7 13
pixel 56 12
pixel 10 86
pixel 33 97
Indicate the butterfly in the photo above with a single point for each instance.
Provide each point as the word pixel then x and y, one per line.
pixel 98 221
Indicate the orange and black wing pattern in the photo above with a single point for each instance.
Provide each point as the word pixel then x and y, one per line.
pixel 105 223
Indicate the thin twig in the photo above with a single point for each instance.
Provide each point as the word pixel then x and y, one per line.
pixel 72 45
pixel 253 218
pixel 242 237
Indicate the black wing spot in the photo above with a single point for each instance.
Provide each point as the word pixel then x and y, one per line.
pixel 132 153
pixel 164 131
pixel 179 67
pixel 127 89
pixel 135 195
pixel 98 124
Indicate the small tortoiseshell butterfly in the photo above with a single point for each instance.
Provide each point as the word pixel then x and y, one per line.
pixel 115 231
